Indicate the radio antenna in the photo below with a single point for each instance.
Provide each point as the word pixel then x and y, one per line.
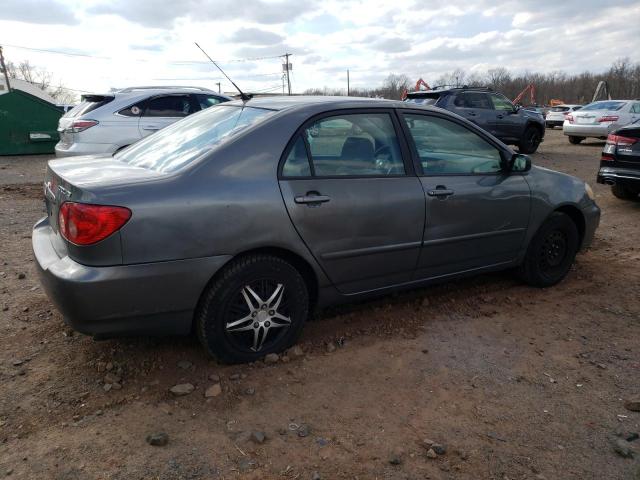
pixel 245 97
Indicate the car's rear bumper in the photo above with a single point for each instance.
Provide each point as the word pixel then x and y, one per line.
pixel 554 123
pixel 151 298
pixel 591 223
pixel 623 176
pixel 598 131
pixel 77 149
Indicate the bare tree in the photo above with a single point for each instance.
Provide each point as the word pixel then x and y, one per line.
pixel 42 79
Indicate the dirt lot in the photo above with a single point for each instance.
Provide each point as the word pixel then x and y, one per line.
pixel 518 383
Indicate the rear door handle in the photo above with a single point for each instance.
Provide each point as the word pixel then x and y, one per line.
pixel 151 128
pixel 312 199
pixel 471 114
pixel 500 116
pixel 440 192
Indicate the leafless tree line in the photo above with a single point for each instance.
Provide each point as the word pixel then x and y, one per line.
pixel 42 79
pixel 623 79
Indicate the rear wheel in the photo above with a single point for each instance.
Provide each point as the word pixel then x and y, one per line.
pixel 551 252
pixel 258 305
pixel 530 140
pixel 624 192
pixel 575 140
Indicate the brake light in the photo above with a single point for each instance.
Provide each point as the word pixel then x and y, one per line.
pixel 86 224
pixel 568 117
pixel 608 118
pixel 620 140
pixel 81 125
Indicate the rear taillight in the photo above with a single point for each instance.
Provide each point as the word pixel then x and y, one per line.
pixel 613 142
pixel 608 118
pixel 568 117
pixel 81 125
pixel 85 224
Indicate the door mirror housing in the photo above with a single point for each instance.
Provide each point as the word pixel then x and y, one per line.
pixel 520 163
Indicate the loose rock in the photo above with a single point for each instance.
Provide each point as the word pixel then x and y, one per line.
pixel 214 378
pixel 21 276
pixel 258 437
pixel 304 430
pixel 431 453
pixel 316 476
pixel 182 389
pixel 213 391
pixel 234 377
pixel 185 364
pixel 296 352
pixel 112 378
pixel 439 448
pixel 633 404
pixel 623 448
pixel 271 358
pixel 158 439
pixel 250 391
pixel 331 347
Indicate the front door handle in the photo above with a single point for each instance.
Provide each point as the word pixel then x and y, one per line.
pixel 312 199
pixel 471 114
pixel 500 115
pixel 151 128
pixel 440 191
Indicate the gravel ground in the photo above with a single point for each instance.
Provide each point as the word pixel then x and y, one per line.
pixel 513 382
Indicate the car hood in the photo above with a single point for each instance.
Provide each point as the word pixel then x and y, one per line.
pixel 97 170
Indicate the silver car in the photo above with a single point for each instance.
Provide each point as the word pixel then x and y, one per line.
pixel 104 124
pixel 599 119
pixel 238 221
pixel 556 115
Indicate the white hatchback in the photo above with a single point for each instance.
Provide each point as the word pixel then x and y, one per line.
pixel 555 115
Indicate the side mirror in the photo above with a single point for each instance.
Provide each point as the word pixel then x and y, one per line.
pixel 520 163
pixel 517 108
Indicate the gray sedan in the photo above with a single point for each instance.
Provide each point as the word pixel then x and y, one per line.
pixel 239 220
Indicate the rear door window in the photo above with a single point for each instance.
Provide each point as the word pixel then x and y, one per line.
pixel 206 101
pixel 169 106
pixel 363 144
pixel 473 100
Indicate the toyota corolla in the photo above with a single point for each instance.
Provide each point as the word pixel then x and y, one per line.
pixel 239 220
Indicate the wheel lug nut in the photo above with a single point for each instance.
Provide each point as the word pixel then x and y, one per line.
pixel 264 307
pixel 267 324
pixel 254 314
pixel 256 325
pixel 272 312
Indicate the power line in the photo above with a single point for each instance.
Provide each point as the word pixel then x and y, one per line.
pixel 172 62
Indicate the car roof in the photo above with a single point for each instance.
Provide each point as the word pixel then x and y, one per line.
pixel 301 101
pixel 445 89
pixel 145 92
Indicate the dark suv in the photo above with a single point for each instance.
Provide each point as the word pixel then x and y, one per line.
pixel 490 110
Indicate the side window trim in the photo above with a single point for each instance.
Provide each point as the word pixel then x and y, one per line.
pixel 405 151
pixel 419 171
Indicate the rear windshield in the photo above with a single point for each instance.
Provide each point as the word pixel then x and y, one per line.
pixel 183 142
pixel 424 99
pixel 88 105
pixel 560 109
pixel 605 105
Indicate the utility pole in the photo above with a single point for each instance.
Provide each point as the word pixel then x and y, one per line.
pixel 4 69
pixel 218 83
pixel 347 82
pixel 287 67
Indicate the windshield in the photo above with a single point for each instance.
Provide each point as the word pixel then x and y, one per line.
pixel 181 143
pixel 606 105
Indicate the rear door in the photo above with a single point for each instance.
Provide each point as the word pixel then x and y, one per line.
pixel 353 197
pixel 476 216
pixel 163 110
pixel 477 108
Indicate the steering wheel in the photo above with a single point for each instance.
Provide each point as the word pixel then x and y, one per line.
pixel 480 168
pixel 383 163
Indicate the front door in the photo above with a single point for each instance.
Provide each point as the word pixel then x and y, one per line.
pixel 354 199
pixel 476 215
pixel 164 110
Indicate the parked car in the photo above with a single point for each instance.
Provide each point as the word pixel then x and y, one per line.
pixel 104 124
pixel 599 119
pixel 490 110
pixel 239 220
pixel 556 115
pixel 620 162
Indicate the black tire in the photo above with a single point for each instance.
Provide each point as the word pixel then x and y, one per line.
pixel 551 252
pixel 623 192
pixel 224 303
pixel 575 140
pixel 530 140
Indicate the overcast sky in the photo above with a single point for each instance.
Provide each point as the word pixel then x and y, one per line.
pixel 143 42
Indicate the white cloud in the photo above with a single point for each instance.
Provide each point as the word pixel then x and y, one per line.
pixel 146 40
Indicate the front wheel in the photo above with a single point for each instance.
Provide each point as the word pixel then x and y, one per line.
pixel 551 252
pixel 623 192
pixel 575 140
pixel 257 306
pixel 530 140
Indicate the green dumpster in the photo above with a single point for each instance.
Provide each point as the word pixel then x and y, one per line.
pixel 28 125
